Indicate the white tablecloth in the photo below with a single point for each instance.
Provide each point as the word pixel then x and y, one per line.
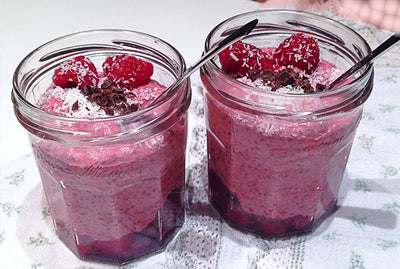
pixel 363 233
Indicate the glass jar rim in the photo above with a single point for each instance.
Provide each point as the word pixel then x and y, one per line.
pixel 254 14
pixel 19 99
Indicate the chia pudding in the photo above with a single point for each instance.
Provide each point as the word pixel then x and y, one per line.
pixel 277 143
pixel 111 162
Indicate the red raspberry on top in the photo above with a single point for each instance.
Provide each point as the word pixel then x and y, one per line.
pixel 239 58
pixel 127 71
pixel 77 72
pixel 300 51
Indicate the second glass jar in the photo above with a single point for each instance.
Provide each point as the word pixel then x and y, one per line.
pixel 276 160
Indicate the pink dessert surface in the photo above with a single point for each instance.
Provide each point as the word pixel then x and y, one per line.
pixel 60 101
pixel 119 201
pixel 275 176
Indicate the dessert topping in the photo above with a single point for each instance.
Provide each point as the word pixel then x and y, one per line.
pixel 286 66
pixel 111 98
pixel 116 95
pixel 240 58
pixel 300 51
pixel 127 71
pixel 285 78
pixel 77 72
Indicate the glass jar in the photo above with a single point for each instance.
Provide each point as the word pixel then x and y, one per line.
pixel 115 185
pixel 276 160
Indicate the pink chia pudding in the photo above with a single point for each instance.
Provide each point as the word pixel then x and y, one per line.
pixel 277 143
pixel 114 183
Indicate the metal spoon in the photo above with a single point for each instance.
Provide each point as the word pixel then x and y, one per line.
pixel 233 37
pixel 366 60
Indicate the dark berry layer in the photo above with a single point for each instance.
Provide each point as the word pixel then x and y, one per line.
pixel 155 236
pixel 228 206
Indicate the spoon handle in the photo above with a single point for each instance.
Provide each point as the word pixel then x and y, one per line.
pixel 366 60
pixel 236 35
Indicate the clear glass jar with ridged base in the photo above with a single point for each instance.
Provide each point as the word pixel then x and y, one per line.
pixel 114 184
pixel 276 159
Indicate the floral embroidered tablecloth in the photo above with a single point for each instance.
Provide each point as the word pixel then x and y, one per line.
pixel 363 233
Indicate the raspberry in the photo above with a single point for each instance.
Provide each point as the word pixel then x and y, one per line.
pixel 300 51
pixel 240 58
pixel 77 72
pixel 127 71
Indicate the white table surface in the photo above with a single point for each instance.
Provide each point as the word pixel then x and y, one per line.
pixel 25 25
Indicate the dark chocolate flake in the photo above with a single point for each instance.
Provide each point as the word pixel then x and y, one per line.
pixel 108 110
pixel 110 98
pixel 253 74
pixel 134 107
pixel 320 87
pixel 266 74
pixel 106 84
pixel 75 106
pixel 286 77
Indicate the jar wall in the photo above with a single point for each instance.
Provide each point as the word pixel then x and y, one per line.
pixel 275 177
pixel 115 185
pixel 276 161
pixel 119 202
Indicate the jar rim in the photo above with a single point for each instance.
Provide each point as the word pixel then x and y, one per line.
pixel 254 14
pixel 19 99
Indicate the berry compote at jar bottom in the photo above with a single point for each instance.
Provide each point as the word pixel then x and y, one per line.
pixel 277 142
pixel 112 163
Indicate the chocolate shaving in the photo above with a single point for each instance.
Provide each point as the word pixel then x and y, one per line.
pixel 106 84
pixel 110 98
pixel 283 78
pixel 75 106
pixel 320 87
pixel 253 75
